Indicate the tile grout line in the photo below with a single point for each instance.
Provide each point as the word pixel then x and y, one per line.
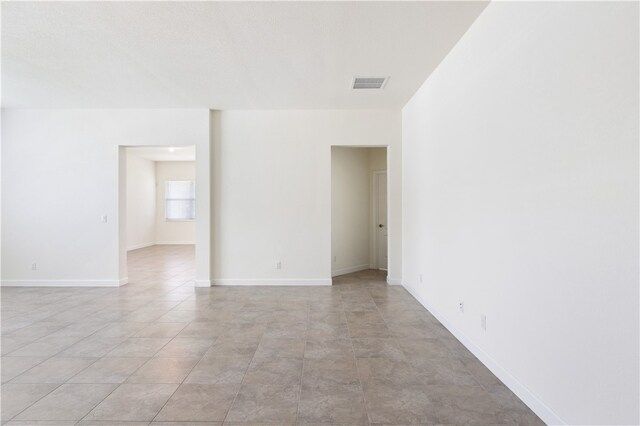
pixel 34 402
pixel 185 377
pixel 177 387
pixel 51 357
pixel 355 360
pixel 125 380
pixel 242 381
pixel 53 332
pixel 304 351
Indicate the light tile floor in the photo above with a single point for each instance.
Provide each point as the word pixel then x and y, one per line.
pixel 159 351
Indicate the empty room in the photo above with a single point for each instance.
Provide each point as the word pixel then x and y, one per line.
pixel 320 213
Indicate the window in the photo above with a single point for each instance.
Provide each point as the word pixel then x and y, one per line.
pixel 179 200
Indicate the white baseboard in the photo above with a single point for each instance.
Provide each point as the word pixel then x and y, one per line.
pixel 139 246
pixel 349 270
pixel 203 283
pixel 271 282
pixel 175 243
pixel 530 399
pixel 64 283
pixel 394 281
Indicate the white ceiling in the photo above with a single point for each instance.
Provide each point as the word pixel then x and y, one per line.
pixel 184 153
pixel 223 55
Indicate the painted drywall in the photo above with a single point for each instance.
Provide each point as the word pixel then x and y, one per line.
pixel 377 159
pixel 172 232
pixel 141 202
pixel 63 170
pixel 272 191
pixel 236 54
pixel 520 198
pixel 350 210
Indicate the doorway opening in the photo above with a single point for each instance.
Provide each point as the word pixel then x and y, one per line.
pixel 359 199
pixel 160 216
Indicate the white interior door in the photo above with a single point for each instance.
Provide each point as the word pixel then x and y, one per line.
pixel 381 225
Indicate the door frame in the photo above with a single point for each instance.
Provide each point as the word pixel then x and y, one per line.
pixel 203 211
pixel 374 222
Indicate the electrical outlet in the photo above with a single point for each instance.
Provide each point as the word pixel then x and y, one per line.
pixel 483 322
pixel 461 307
pixel 335 259
pixel 420 277
pixel 104 218
pixel 278 265
pixel 34 266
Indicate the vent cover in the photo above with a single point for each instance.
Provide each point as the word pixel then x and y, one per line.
pixel 368 82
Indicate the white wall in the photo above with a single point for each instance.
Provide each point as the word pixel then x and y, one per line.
pixel 173 232
pixel 377 159
pixel 350 209
pixel 272 191
pixel 60 175
pixel 141 202
pixel 520 198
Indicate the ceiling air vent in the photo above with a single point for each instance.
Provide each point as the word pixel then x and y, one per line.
pixel 369 82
